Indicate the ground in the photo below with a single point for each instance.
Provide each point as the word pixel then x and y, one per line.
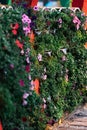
pixel 77 120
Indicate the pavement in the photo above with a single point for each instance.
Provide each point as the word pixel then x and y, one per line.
pixel 77 120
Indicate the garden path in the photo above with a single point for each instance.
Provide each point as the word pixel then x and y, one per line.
pixel 77 120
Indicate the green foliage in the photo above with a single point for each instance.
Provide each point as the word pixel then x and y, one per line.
pixel 57 58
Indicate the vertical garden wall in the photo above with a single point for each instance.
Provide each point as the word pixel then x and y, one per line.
pixel 43 65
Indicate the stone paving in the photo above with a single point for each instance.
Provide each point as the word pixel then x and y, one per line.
pixel 75 121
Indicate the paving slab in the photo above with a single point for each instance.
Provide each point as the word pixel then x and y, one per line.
pixel 77 120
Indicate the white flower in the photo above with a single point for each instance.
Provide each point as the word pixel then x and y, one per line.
pixel 44 100
pixel 39 57
pixel 49 53
pixel 44 69
pixel 10 7
pixel 29 77
pixel 44 76
pixel 49 98
pixel 22 52
pixel 38 32
pixel 64 50
pixel 86 87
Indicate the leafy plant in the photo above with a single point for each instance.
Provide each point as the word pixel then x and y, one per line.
pixel 43 56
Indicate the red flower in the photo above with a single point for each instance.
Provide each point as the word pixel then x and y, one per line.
pixel 14 32
pixel 21 82
pixel 20 45
pixel 24 119
pixel 27 68
pixel 15 26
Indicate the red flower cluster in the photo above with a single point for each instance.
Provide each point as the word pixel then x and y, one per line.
pixel 14 28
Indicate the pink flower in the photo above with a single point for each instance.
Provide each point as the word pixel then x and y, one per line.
pixel 25 95
pixel 64 58
pixel 44 106
pixel 26 24
pixel 21 82
pixel 32 88
pixel 35 8
pixel 77 22
pixel 24 20
pixel 27 60
pixel 26 30
pixel 39 57
pixel 24 103
pixel 44 76
pixel 32 85
pixel 12 66
pixel 72 14
pixel 24 16
pixel 77 26
pixel 28 21
pixel 60 21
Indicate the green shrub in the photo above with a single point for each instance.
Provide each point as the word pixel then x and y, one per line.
pixel 56 57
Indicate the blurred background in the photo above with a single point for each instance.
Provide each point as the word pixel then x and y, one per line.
pixel 63 3
pixel 49 3
pixel 82 4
